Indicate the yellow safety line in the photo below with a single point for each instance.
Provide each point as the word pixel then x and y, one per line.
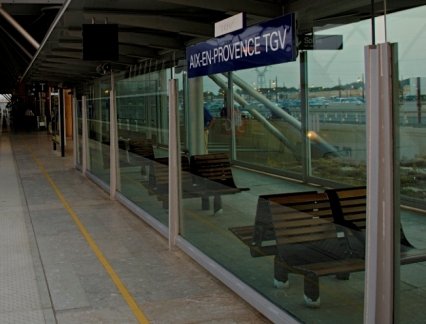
pixel 140 316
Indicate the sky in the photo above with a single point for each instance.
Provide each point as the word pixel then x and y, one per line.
pixel 327 67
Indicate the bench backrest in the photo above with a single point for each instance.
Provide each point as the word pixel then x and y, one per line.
pixel 159 172
pixel 215 167
pixel 302 218
pixel 263 228
pixel 349 206
pixel 350 210
pixel 304 229
pixel 142 147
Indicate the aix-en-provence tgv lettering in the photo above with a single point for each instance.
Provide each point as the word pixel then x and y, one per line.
pixel 272 41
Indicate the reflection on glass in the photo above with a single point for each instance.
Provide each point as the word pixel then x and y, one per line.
pixel 214 103
pixel 79 133
pixel 99 133
pixel 142 121
pixel 233 215
pixel 252 232
pixel 406 28
pixel 336 104
pixel 268 133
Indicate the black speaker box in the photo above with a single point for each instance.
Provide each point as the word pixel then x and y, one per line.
pixel 100 42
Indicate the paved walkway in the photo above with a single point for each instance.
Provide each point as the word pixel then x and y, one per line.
pixel 68 254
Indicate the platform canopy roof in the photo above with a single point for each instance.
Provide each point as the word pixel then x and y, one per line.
pixel 152 33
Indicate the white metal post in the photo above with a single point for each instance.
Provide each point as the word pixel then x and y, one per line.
pixel 174 164
pixel 75 130
pixel 113 140
pixel 19 28
pixel 304 104
pixel 85 135
pixel 232 115
pixel 379 282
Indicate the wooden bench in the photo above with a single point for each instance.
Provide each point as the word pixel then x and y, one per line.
pixel 349 210
pixel 314 234
pixel 142 148
pixel 158 182
pixel 213 177
pixel 260 237
pixel 309 243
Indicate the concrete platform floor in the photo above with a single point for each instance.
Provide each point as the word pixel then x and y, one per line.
pixel 68 254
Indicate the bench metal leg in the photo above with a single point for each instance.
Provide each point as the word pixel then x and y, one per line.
pixel 205 203
pixel 311 290
pixel 280 274
pixel 165 203
pixel 217 204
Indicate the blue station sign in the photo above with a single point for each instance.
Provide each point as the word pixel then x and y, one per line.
pixel 271 42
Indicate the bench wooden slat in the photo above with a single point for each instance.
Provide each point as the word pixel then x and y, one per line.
pixel 315 233
pixel 309 198
pixel 350 207
pixel 335 267
pixel 354 192
pixel 300 239
pixel 244 233
pixel 353 207
pixel 353 200
pixel 298 213
pixel 302 207
pixel 355 217
pixel 307 222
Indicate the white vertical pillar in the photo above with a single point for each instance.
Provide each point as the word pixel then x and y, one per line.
pixel 113 141
pixel 75 130
pixel 174 164
pixel 304 106
pixel 230 107
pixel 85 136
pixel 162 116
pixel 62 121
pixel 379 282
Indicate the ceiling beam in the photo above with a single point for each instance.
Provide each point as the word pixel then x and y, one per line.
pixel 252 7
pixel 137 51
pixel 151 40
pixel 65 52
pixel 137 38
pixel 170 24
pixel 32 2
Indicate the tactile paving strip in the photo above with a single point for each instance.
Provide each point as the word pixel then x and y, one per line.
pixel 19 296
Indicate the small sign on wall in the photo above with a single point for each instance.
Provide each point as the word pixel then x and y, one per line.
pixel 321 42
pixel 229 25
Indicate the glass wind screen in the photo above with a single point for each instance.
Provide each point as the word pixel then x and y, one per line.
pixel 79 133
pixel 407 29
pixel 142 122
pixel 336 107
pixel 99 133
pixel 261 227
